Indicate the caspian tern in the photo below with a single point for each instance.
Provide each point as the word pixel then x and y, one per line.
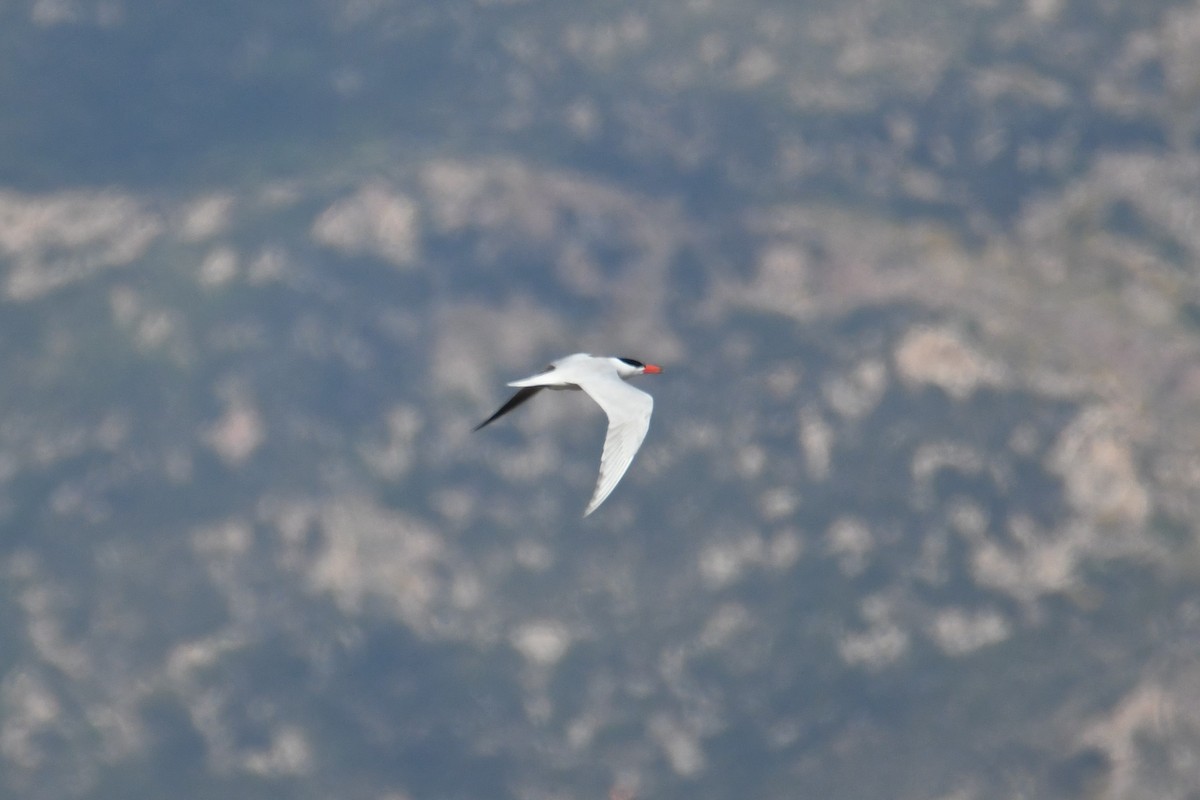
pixel 603 378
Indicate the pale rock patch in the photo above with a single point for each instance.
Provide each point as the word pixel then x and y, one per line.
pixel 957 632
pixel 56 240
pixel 375 220
pixel 1098 466
pixel 939 357
pixel 541 643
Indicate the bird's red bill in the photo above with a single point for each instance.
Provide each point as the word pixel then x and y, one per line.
pixel 652 369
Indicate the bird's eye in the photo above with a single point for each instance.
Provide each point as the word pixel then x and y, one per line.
pixel 632 362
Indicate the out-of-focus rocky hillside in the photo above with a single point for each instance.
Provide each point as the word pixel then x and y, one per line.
pixel 916 517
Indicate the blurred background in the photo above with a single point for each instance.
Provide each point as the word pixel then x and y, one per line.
pixel 917 513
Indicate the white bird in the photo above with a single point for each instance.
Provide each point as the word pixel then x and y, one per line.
pixel 603 378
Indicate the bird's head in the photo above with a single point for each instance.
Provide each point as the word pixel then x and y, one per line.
pixel 628 367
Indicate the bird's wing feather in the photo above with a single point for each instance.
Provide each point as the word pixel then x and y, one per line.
pixel 546 377
pixel 514 401
pixel 628 411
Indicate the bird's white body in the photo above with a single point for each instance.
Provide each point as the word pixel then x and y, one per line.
pixel 603 379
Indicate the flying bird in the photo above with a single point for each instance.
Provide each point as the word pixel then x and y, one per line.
pixel 603 378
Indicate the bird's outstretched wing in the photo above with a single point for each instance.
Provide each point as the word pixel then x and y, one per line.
pixel 628 411
pixel 514 401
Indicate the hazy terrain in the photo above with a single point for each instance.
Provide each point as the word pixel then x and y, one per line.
pixel 917 514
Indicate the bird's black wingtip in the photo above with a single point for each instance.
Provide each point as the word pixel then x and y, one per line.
pixel 514 401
